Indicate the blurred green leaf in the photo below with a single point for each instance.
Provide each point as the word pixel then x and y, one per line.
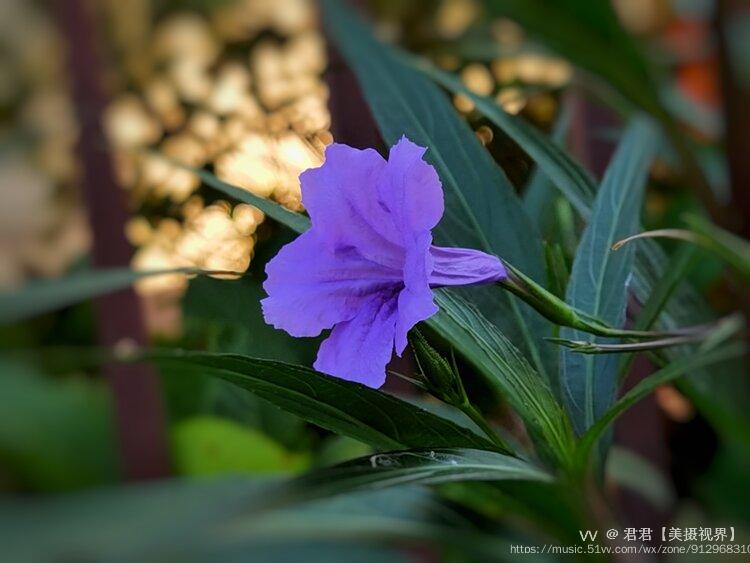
pixel 376 518
pixel 55 435
pixel 481 208
pixel 343 407
pixel 296 221
pixel 599 280
pixel 631 471
pixel 588 33
pixel 43 296
pixel 214 520
pixel 731 248
pixel 506 370
pixel 209 445
pixel 672 371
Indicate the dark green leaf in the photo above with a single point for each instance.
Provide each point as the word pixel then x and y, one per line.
pixel 676 270
pixel 482 210
pixel 230 311
pixel 214 520
pixel 573 181
pixel 588 33
pixel 343 407
pixel 296 221
pixel 506 370
pixel 631 471
pixel 729 247
pixel 599 279
pixel 228 314
pixel 44 296
pixel 669 373
pixel 540 194
pixel 423 467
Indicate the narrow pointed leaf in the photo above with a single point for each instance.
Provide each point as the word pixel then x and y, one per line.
pixel 414 467
pixel 588 33
pixel 296 221
pixel 506 370
pixel 351 409
pixel 215 520
pixel 671 372
pixel 599 280
pixel 577 186
pixel 43 296
pixel 539 194
pixel 573 181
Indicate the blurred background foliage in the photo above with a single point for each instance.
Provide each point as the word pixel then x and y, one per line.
pixel 239 88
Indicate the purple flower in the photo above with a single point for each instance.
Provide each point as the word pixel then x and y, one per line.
pixel 367 266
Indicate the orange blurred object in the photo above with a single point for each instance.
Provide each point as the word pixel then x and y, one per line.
pixel 699 80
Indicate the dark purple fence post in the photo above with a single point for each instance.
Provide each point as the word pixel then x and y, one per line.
pixel 135 387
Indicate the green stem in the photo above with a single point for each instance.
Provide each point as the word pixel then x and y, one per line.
pixel 560 313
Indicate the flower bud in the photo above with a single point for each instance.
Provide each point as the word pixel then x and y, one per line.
pixel 441 379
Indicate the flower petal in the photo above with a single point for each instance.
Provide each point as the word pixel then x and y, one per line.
pixel 360 348
pixel 463 266
pixel 311 288
pixel 415 301
pixel 411 188
pixel 342 199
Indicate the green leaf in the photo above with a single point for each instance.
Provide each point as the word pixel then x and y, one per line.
pixel 678 266
pixel 599 279
pixel 296 221
pixel 214 520
pixel 539 194
pixel 209 445
pixel 343 407
pixel 482 210
pixel 38 297
pixel 577 186
pixel 629 470
pixel 55 435
pixel 588 33
pixel 672 371
pixel 729 247
pixel 392 516
pixel 415 467
pixel 734 250
pixel 573 181
pixel 506 370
